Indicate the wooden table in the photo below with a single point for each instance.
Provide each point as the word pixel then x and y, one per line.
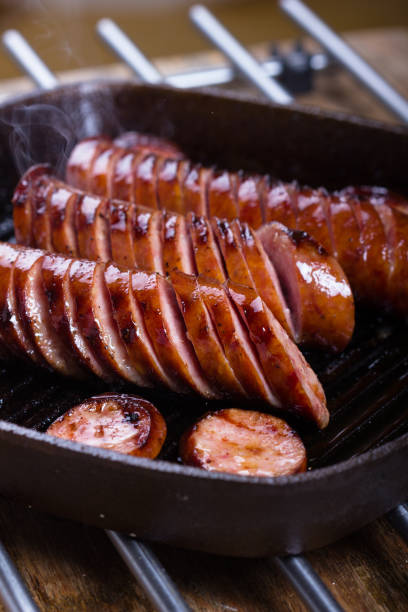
pixel 70 567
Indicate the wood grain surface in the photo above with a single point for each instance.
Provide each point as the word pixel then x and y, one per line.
pixel 70 567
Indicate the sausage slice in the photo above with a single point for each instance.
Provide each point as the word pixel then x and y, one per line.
pixel 290 377
pixel 243 442
pixel 315 287
pixel 149 142
pixel 203 335
pixel 122 423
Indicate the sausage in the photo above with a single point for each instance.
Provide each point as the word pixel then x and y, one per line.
pixel 203 335
pixel 119 422
pixel 160 241
pixel 167 332
pixel 132 329
pixel 12 334
pixel 137 326
pixel 312 281
pixel 177 249
pixel 357 225
pixel 236 342
pixel 302 391
pixel 149 142
pixel 41 304
pixel 248 264
pixel 243 442
pixel 208 257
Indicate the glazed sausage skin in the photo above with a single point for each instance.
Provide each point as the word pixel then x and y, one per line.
pixel 363 227
pixel 243 442
pixel 304 287
pixel 151 336
pixel 115 421
pixel 150 143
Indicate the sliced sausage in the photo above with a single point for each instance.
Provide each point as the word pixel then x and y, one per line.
pixel 265 278
pixel 119 234
pixel 162 241
pixel 110 345
pixel 208 259
pixel 370 248
pixel 289 376
pixel 278 200
pixel 177 245
pixel 311 205
pixel 125 324
pixel 315 287
pixel 144 168
pixel 19 297
pixel 51 345
pixel 195 189
pixel 121 179
pixel 235 340
pixel 222 198
pixel 82 159
pixel 146 230
pixel 9 334
pixel 203 335
pixel 166 329
pixel 249 194
pixel 54 269
pixel 77 285
pixel 132 329
pixel 149 142
pixel 119 422
pixel 243 442
pixel 169 186
pixel 88 225
pixel 63 206
pixel 234 260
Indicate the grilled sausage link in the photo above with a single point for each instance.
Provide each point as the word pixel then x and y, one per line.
pixel 115 421
pixel 365 228
pixel 141 141
pixel 304 287
pixel 81 317
pixel 243 442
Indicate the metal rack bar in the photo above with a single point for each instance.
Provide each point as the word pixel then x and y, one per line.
pixel 149 572
pixel 28 59
pixel 128 51
pixel 111 34
pixel 338 48
pixel 243 61
pixel 307 583
pixel 13 592
pixel 399 520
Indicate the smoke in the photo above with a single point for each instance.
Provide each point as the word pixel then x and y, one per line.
pixel 40 133
pixel 46 133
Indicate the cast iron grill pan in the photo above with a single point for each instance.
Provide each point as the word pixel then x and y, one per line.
pixel 366 385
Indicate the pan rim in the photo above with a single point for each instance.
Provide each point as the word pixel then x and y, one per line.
pixel 47 443
pixel 109 82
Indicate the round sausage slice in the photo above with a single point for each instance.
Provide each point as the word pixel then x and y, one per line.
pixel 243 442
pixel 119 422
